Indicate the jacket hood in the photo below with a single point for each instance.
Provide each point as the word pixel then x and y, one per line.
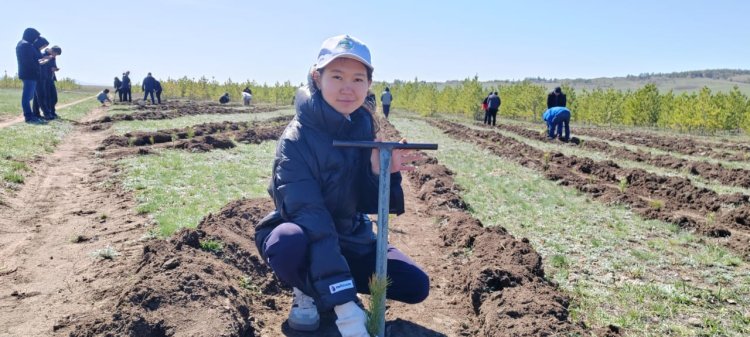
pixel 40 42
pixel 30 34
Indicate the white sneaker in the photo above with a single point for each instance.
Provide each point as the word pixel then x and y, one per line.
pixel 304 314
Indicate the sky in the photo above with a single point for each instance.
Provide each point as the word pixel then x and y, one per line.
pixel 272 41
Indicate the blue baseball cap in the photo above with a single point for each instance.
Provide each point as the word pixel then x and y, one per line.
pixel 343 46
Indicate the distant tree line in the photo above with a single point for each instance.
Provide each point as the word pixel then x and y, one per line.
pixel 702 111
pixel 13 82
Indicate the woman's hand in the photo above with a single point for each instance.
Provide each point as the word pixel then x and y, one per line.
pixel 401 159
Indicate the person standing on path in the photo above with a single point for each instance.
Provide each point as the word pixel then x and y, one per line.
pixel 46 92
pixel 556 98
pixel 28 72
pixel 493 105
pixel 247 96
pixel 484 108
pixel 385 99
pixel 319 238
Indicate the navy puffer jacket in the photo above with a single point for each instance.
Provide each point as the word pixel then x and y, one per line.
pixel 327 191
pixel 28 60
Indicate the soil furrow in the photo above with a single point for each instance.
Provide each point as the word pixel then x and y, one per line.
pixel 670 199
pixel 716 172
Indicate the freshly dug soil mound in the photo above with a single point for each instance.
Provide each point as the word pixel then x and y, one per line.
pixel 202 137
pixel 716 172
pixel 180 108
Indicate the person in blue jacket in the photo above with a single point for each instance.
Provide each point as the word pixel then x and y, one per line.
pixel 28 71
pixel 149 86
pixel 319 238
pixel 557 118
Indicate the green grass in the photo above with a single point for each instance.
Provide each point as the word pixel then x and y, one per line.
pixel 10 100
pixel 600 156
pixel 21 141
pixel 645 276
pixel 181 122
pixel 178 188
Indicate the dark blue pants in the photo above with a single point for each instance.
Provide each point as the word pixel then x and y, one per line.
pixel 158 96
pixel 45 99
pixel 149 92
pixel 386 109
pixel 490 116
pixel 555 126
pixel 29 90
pixel 286 249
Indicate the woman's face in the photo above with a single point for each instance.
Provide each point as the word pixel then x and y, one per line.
pixel 344 84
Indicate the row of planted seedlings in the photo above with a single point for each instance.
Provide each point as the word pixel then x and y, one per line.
pixel 621 269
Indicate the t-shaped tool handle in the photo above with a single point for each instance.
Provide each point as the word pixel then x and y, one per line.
pixel 384 190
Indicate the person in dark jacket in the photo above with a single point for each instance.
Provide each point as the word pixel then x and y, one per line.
pixel 484 108
pixel 493 105
pixel 52 88
pixel 557 118
pixel 556 98
pixel 157 90
pixel 224 99
pixel 125 88
pixel 117 85
pixel 28 71
pixel 319 238
pixel 41 94
pixel 148 86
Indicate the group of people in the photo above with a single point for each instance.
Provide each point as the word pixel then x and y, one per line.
pixel 150 86
pixel 247 97
pixel 557 115
pixel 36 69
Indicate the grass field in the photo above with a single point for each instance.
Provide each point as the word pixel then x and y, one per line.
pixel 10 100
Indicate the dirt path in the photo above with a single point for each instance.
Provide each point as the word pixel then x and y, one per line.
pixel 48 231
pixel 19 119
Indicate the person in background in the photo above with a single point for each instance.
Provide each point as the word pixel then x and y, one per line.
pixel 385 99
pixel 557 118
pixel 118 84
pixel 148 86
pixel 103 97
pixel 28 72
pixel 125 88
pixel 247 96
pixel 224 99
pixel 493 105
pixel 157 90
pixel 319 238
pixel 556 98
pixel 484 108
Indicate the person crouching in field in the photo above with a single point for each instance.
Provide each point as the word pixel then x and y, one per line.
pixel 319 239
pixel 157 90
pixel 103 97
pixel 557 118
pixel 224 99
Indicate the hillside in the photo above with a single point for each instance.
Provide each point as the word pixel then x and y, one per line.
pixel 687 81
